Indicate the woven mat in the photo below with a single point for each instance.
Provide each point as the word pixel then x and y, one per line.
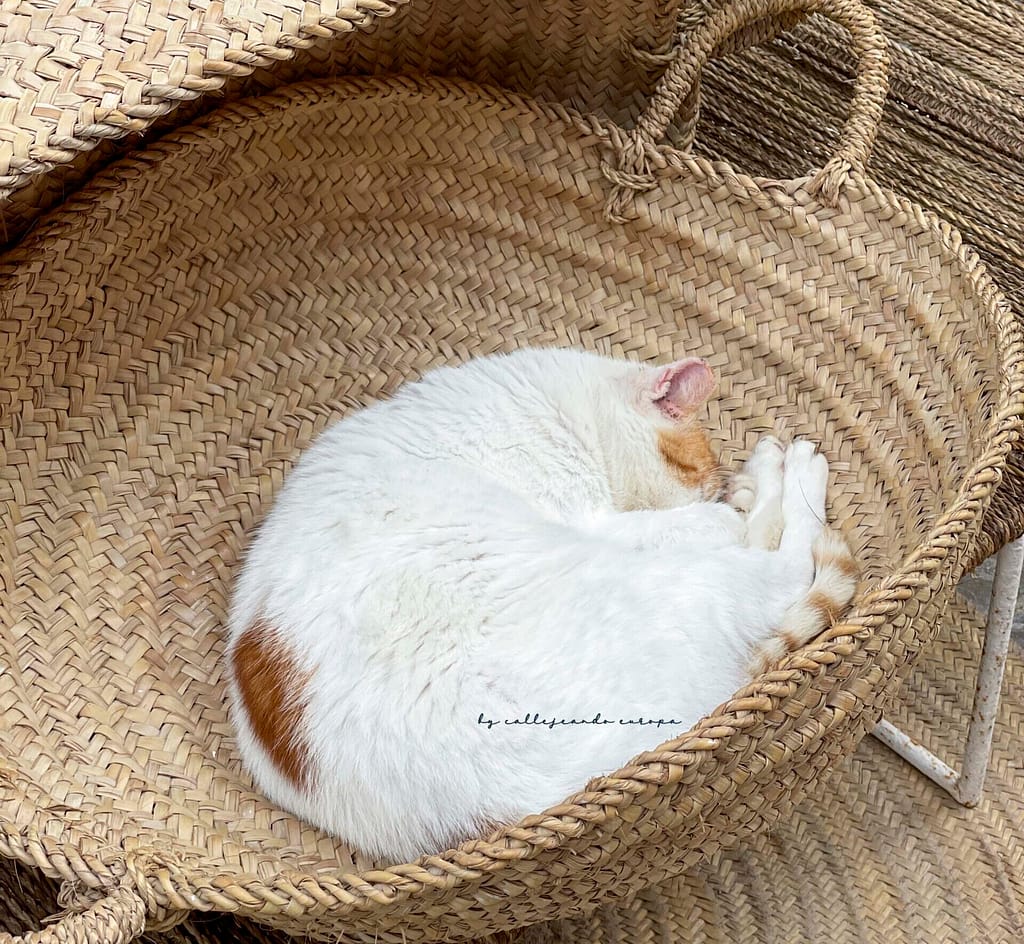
pixel 878 856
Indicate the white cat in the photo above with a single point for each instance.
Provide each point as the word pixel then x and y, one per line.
pixel 449 577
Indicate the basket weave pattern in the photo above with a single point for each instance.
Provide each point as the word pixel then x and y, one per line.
pixel 874 853
pixel 177 333
pixel 83 78
pixel 160 56
pixel 953 137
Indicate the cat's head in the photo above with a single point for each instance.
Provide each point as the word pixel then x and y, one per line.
pixel 656 442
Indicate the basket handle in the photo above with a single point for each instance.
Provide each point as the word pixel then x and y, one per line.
pixel 116 919
pixel 633 172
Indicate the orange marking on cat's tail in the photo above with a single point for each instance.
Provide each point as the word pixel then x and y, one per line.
pixel 835 582
pixel 272 689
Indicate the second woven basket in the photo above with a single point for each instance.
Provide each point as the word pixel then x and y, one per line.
pixel 174 335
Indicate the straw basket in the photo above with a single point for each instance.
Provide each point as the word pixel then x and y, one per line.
pixel 81 80
pixel 174 335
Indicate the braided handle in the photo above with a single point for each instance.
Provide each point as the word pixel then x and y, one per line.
pixel 713 34
pixel 116 919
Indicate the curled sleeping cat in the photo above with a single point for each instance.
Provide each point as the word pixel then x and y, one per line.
pixel 545 534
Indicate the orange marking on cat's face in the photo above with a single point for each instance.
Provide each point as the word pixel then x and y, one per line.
pixel 688 453
pixel 271 686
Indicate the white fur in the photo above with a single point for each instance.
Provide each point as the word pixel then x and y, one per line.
pixel 504 539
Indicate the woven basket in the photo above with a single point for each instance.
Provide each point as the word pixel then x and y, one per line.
pixel 874 853
pixel 174 335
pixel 80 79
pixel 74 104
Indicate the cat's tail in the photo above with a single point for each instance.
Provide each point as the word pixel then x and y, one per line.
pixel 836 575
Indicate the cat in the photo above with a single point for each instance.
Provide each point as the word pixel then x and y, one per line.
pixel 451 576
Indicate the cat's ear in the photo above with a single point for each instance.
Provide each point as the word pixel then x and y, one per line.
pixel 680 389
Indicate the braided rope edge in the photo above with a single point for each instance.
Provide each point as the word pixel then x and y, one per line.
pixel 169 882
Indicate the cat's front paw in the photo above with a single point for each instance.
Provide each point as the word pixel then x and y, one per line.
pixel 762 472
pixel 740 492
pixel 765 467
pixel 805 481
pixel 766 461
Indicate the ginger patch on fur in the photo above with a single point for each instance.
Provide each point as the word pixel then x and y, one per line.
pixel 690 456
pixel 845 564
pixel 826 608
pixel 271 686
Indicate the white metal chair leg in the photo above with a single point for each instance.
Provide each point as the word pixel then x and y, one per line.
pixel 965 786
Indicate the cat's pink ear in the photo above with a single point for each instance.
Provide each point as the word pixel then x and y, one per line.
pixel 682 388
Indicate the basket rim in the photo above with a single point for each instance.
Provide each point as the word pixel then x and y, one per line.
pixel 169 882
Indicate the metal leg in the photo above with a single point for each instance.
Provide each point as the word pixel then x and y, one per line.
pixel 966 786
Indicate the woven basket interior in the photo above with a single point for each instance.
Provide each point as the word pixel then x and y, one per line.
pixel 177 333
